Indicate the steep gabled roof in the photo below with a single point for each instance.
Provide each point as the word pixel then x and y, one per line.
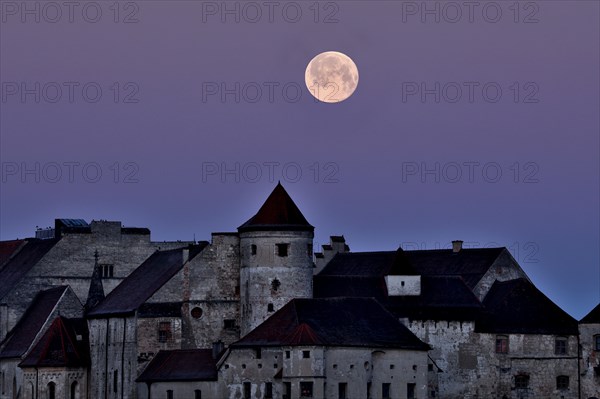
pixel 470 264
pixel 593 317
pixel 65 344
pixel 349 322
pixel 279 212
pixel 518 307
pixel 143 282
pixel 181 365
pixel 20 338
pixel 22 262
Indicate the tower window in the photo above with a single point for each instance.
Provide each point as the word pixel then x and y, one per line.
pixel 287 354
pixel 562 382
pixel 282 249
pixel 306 389
pixel 342 388
pixel 385 390
pixel 115 380
pixel 275 284
pixel 164 331
pixel 309 250
pixel 560 346
pixel 253 249
pixel 306 354
pixel 169 394
pixel 410 390
pixel 270 308
pixel 197 394
pixel 106 270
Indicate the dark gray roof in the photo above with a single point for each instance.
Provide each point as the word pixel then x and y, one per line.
pixel 470 264
pixel 593 317
pixel 181 365
pixel 143 282
pixel 22 262
pixel 518 307
pixel 20 338
pixel 442 297
pixel 349 322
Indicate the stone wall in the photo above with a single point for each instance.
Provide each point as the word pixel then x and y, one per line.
pixel 590 359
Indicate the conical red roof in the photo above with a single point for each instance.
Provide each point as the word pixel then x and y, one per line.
pixel 279 212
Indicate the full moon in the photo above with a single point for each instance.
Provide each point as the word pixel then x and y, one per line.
pixel 331 77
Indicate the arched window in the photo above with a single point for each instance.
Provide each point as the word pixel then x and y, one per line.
pixel 51 390
pixel 74 390
pixel 30 389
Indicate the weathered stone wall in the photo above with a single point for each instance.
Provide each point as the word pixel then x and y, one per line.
pixel 66 381
pixel 148 343
pixel 590 358
pixel 269 281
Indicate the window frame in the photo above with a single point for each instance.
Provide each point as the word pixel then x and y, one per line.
pixel 165 332
pixel 499 347
pixel 596 342
pixel 562 382
pixel 561 346
pixel 386 390
pixel 268 390
pixel 283 249
pixel 306 389
pixel 521 381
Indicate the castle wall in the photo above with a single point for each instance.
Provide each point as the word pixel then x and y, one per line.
pixel 590 358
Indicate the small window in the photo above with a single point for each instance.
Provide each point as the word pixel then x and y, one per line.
pixel 229 324
pixel 247 390
pixel 169 394
pixel 521 381
pixel 287 386
pixel 106 270
pixel 115 380
pixel 391 366
pixel 270 308
pixel 410 390
pixel 287 354
pixel 259 353
pixel 501 344
pixel 560 346
pixel 562 382
pixel 73 390
pixel 282 249
pixel 306 389
pixel 369 390
pixel 268 390
pixel 597 342
pixel 253 249
pixel 385 390
pixel 196 312
pixel 306 354
pixel 51 390
pixel 430 367
pixel 309 250
pixel 164 331
pixel 342 388
pixel 197 394
pixel 275 284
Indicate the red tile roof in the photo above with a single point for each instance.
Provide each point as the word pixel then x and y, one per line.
pixel 279 212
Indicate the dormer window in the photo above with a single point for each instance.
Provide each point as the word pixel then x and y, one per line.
pixel 282 249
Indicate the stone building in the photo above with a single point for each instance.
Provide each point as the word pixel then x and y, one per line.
pixel 255 314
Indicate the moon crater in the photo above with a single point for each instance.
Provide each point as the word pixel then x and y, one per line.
pixel 331 77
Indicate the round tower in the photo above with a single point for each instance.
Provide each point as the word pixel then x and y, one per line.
pixel 276 248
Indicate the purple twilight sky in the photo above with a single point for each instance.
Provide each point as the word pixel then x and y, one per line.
pixel 472 120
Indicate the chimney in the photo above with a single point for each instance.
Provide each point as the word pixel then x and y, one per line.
pixel 186 255
pixel 457 246
pixel 217 348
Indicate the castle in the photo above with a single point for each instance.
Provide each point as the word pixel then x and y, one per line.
pixel 100 311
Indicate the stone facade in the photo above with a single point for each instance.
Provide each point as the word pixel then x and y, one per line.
pixel 590 360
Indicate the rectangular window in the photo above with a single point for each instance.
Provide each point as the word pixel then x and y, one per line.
pixel 287 386
pixel 306 354
pixel 115 380
pixel 342 388
pixel 560 346
pixel 369 390
pixel 247 390
pixel 164 331
pixel 597 342
pixel 562 382
pixel 282 249
pixel 309 250
pixel 197 394
pixel 253 249
pixel 306 389
pixel 287 354
pixel 259 353
pixel 169 394
pixel 268 390
pixel 521 381
pixel 385 390
pixel 229 324
pixel 501 344
pixel 410 391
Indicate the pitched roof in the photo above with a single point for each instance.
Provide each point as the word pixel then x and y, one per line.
pixel 143 282
pixel 20 338
pixel 442 297
pixel 517 306
pixel 470 264
pixel 8 248
pixel 357 322
pixel 22 262
pixel 181 365
pixel 593 317
pixel 279 212
pixel 65 344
